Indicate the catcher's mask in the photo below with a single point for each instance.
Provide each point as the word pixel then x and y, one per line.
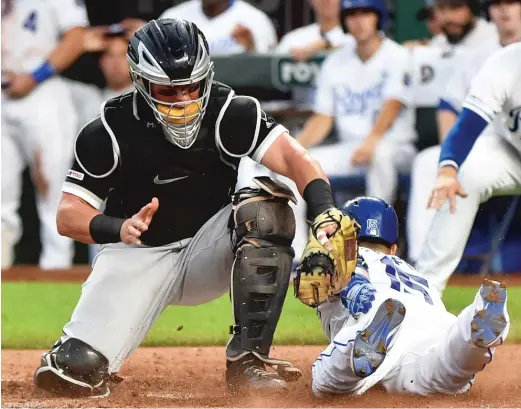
pixel 173 55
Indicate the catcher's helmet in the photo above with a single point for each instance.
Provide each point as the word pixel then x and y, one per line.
pixel 377 219
pixel 378 6
pixel 172 52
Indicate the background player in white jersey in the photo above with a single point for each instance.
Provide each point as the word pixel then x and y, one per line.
pixel 231 26
pixel 506 15
pixel 38 120
pixel 364 92
pixel 472 169
pixel 389 326
pixel 461 29
pixel 325 33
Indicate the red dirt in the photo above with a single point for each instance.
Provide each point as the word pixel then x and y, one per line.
pixel 194 377
pixel 80 274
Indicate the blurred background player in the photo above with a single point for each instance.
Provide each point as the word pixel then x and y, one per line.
pixel 231 26
pixel 364 91
pixel 506 15
pixel 304 42
pixel 474 167
pixel 461 28
pixel 389 326
pixel 39 40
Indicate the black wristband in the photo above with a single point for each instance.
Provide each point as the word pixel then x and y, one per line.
pixel 105 229
pixel 319 197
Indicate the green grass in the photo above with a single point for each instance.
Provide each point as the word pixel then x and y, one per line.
pixel 33 314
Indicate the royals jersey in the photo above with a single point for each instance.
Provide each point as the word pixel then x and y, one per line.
pixel 353 91
pixel 123 160
pixel 389 275
pixel 31 30
pixel 218 30
pixel 496 92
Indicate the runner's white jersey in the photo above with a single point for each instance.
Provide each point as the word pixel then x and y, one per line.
pixel 391 277
pixel 31 30
pixel 496 92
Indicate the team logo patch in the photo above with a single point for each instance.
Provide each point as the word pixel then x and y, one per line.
pixel 75 175
pixel 372 227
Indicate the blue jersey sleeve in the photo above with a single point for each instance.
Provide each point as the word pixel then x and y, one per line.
pixel 461 138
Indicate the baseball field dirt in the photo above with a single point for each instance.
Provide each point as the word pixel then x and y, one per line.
pixel 194 376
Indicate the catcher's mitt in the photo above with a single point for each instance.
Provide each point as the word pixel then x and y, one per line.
pixel 323 273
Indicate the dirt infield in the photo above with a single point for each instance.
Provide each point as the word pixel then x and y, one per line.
pixel 194 377
pixel 80 274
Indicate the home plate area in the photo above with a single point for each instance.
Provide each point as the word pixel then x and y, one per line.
pixel 194 377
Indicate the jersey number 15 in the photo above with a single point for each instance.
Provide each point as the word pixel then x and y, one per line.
pixel 395 270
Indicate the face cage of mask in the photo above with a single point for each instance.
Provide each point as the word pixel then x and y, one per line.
pixel 182 134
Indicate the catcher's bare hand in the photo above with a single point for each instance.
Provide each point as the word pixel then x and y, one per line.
pixel 447 187
pixel 132 228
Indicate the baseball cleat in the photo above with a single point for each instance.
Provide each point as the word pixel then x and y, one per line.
pixel 491 322
pixel 54 380
pixel 371 345
pixel 249 373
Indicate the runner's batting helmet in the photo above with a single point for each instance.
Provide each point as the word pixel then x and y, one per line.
pixel 377 218
pixel 378 6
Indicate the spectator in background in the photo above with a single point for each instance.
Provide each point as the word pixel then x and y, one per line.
pixel 506 15
pixel 230 26
pixel 40 39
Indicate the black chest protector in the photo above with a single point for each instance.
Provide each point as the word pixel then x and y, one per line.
pixel 190 184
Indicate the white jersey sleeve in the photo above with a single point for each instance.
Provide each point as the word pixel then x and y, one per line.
pixel 69 14
pixel 492 87
pixel 398 86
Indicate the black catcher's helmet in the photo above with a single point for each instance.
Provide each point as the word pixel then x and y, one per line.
pixel 172 52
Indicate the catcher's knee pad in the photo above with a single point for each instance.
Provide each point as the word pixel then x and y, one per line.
pixel 265 227
pixel 72 368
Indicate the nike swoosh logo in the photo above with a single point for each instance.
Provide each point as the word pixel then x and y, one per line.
pixel 158 181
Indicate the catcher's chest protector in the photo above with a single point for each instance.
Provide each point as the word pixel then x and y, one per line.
pixel 264 224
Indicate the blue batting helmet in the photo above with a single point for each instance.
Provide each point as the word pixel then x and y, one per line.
pixel 378 6
pixel 377 219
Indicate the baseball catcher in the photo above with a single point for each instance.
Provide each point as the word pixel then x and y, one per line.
pixel 152 181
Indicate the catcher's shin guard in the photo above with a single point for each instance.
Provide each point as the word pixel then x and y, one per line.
pixel 264 224
pixel 73 369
